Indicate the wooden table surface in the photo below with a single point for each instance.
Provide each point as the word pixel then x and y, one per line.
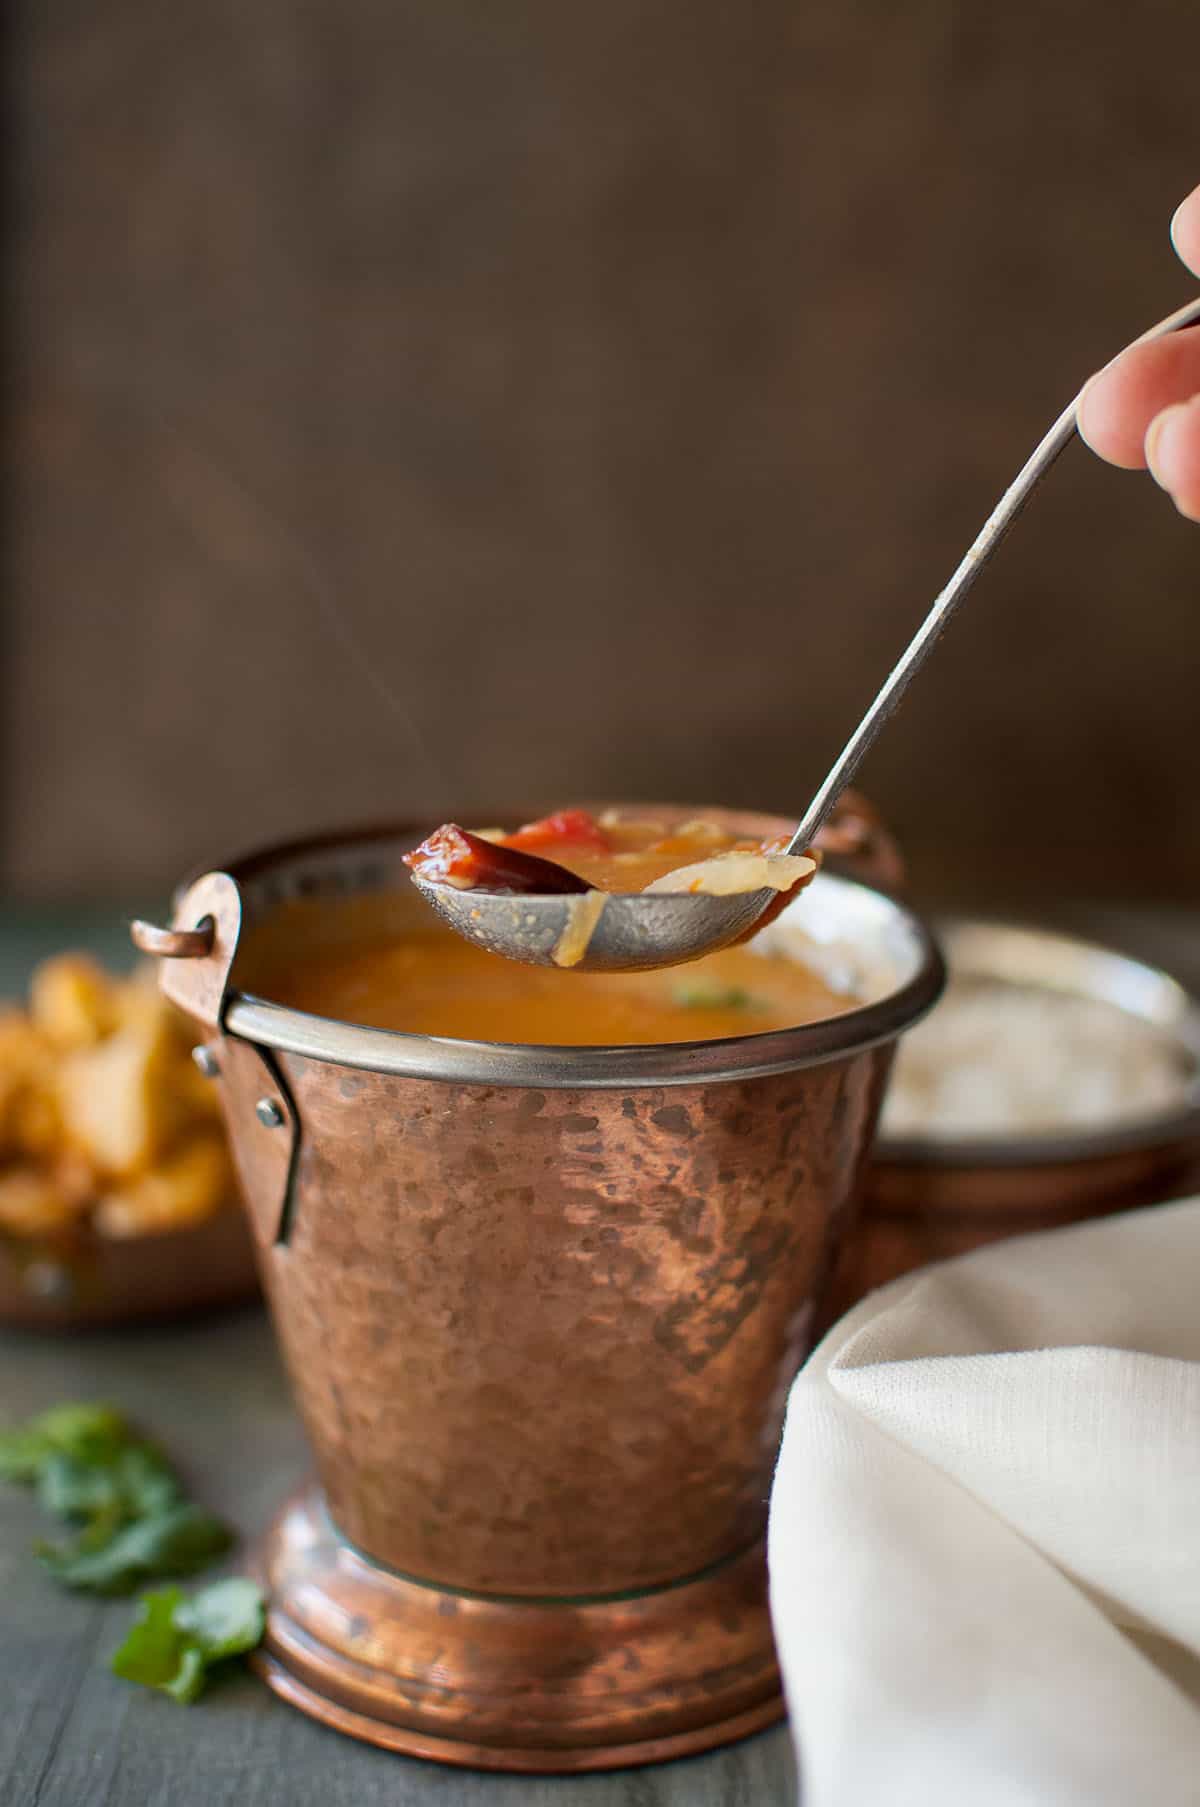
pixel 71 1735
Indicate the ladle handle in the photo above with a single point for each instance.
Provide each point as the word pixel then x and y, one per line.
pixel 978 554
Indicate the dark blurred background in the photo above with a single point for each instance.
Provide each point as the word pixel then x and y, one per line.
pixel 414 402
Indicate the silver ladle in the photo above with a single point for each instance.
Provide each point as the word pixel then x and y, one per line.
pixel 638 931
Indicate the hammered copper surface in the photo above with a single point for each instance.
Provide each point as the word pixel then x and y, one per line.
pixel 541 1341
pixel 514 1684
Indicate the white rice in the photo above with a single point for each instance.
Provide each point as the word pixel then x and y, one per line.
pixel 996 1059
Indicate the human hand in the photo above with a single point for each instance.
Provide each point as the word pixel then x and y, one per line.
pixel 1143 409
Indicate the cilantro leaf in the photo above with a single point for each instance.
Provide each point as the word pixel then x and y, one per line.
pixel 708 994
pixel 173 1641
pixel 188 1683
pixel 132 1520
pixel 157 1653
pixel 151 1650
pixel 146 1481
pixel 78 1491
pixel 22 1452
pixel 102 1497
pixel 174 1542
pixel 94 1433
pixel 89 1433
pixel 225 1619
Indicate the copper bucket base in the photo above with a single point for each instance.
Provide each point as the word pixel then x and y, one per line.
pixel 534 1686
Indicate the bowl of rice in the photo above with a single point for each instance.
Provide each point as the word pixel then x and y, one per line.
pixel 1056 1080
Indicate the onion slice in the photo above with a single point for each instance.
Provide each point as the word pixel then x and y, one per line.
pixel 729 874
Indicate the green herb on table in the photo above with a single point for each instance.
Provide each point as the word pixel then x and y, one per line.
pixel 175 1641
pixel 175 1542
pixel 90 1433
pixel 131 1518
pixel 708 994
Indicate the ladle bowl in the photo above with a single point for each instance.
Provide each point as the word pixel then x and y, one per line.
pixel 632 932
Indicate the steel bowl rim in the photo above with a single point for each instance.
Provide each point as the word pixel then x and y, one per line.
pixel 1160 1130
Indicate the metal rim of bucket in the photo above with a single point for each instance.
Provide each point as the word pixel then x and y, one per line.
pixel 894 928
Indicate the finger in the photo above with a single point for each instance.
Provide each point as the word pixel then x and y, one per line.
pixel 1185 231
pixel 1173 455
pixel 1118 404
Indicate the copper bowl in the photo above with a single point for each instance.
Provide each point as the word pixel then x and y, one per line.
pixel 932 1197
pixel 88 1282
pixel 540 1307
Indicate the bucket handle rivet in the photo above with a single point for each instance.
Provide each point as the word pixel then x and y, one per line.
pixel 269 1113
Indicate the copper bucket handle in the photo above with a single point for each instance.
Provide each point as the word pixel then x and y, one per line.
pixel 173 944
pixel 200 946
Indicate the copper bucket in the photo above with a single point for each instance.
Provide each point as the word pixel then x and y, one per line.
pixel 540 1308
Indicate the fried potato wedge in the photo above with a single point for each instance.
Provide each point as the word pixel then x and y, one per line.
pixel 188 1187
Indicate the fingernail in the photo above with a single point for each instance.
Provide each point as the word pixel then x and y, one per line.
pixel 1081 407
pixel 1158 435
pixel 1187 202
pixel 1175 222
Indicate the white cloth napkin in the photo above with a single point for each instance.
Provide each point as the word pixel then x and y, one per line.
pixel 985 1530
